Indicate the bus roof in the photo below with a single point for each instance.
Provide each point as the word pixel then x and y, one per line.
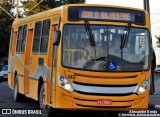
pixel 57 11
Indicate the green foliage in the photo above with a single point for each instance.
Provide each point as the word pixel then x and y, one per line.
pixel 5 26
pixel 45 5
pixel 158 41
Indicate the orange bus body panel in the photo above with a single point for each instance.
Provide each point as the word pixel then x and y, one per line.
pixel 34 69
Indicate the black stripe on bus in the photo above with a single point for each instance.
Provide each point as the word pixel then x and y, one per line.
pixel 96 100
pixel 104 106
pixel 104 85
pixel 105 94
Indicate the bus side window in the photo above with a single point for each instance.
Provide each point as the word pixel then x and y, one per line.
pixel 41 36
pixel 11 40
pixel 45 36
pixel 24 38
pixel 37 32
pixel 21 40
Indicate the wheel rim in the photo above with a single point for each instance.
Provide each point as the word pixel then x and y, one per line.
pixel 43 105
pixel 15 90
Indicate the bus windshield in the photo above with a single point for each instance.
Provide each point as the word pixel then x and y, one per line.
pixel 108 53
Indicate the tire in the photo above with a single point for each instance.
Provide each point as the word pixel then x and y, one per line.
pixel 47 111
pixel 0 80
pixel 17 96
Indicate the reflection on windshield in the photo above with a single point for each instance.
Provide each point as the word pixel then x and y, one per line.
pixel 79 54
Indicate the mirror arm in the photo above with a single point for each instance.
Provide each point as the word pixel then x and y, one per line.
pixel 59 21
pixel 57 34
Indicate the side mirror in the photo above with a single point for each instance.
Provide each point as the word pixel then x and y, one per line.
pixel 56 37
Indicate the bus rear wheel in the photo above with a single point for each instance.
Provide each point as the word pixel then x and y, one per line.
pixel 17 95
pixel 47 111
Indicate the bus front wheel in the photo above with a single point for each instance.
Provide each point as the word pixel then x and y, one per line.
pixel 46 110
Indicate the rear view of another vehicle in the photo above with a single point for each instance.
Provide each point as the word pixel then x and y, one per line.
pixel 1 66
pixel 4 73
pixel 157 70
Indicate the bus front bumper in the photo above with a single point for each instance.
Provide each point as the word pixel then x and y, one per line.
pixel 74 100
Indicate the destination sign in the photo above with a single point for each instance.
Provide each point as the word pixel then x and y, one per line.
pixel 105 15
pixel 77 13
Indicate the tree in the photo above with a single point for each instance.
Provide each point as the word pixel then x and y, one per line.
pixel 45 5
pixel 5 26
pixel 158 41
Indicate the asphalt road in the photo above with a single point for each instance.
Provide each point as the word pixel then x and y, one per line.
pixel 156 76
pixel 6 102
pixel 157 83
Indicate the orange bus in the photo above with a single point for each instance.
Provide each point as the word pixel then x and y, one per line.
pixel 82 56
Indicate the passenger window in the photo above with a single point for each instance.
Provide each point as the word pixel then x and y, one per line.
pixel 45 36
pixel 21 41
pixel 37 34
pixel 11 40
pixel 24 38
pixel 41 36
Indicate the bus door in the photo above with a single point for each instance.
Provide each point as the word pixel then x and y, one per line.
pixel 12 51
pixel 39 57
pixel 20 56
pixel 27 60
pixel 52 64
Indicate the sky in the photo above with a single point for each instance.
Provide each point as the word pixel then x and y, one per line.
pixel 155 16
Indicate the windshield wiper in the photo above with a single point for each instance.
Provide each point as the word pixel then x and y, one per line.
pixel 91 37
pixel 124 38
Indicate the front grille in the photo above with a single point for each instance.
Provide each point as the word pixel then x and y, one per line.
pixel 105 77
pixel 104 85
pixel 102 94
pixel 105 90
pixel 120 90
pixel 116 107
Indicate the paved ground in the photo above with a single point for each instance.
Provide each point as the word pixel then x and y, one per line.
pixel 154 101
pixel 157 83
pixel 6 101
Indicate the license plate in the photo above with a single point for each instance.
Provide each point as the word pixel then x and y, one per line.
pixel 104 102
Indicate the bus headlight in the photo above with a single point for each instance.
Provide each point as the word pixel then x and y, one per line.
pixel 144 86
pixel 64 83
